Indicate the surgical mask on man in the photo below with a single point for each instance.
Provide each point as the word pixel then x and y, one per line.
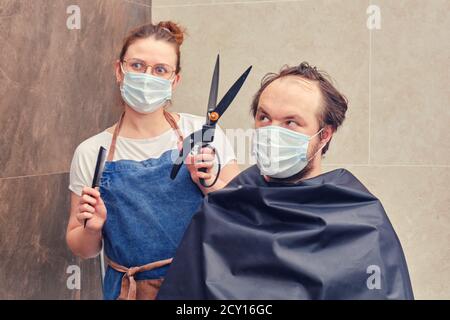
pixel 280 152
pixel 145 93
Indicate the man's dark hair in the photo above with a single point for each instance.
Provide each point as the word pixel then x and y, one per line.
pixel 334 104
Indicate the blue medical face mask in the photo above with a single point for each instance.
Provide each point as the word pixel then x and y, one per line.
pixel 145 93
pixel 280 152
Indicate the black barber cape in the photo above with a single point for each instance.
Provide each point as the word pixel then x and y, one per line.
pixel 326 237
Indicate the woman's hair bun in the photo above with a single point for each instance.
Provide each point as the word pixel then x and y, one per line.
pixel 175 29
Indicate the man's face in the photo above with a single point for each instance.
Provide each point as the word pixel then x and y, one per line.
pixel 293 103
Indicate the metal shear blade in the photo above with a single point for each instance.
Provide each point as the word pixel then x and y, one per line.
pixel 205 136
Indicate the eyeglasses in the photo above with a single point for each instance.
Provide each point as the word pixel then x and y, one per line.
pixel 161 70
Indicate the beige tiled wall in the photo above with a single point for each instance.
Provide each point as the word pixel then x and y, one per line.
pixel 56 89
pixel 395 137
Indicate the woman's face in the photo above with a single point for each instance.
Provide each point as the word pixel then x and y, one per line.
pixel 152 52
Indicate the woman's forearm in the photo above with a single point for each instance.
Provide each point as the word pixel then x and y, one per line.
pixel 84 242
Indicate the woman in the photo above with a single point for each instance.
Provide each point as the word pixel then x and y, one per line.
pixel 138 211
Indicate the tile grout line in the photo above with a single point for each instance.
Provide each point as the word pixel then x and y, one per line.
pixel 205 4
pixel 138 3
pixel 369 162
pixel 33 175
pixel 398 165
pixel 369 155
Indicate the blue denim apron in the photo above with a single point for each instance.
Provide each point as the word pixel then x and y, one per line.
pixel 147 214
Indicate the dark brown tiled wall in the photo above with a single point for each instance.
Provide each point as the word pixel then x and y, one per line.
pixel 57 88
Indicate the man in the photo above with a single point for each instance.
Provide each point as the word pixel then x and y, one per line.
pixel 282 229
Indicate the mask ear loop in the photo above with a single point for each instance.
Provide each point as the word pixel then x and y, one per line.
pixel 123 72
pixel 121 67
pixel 315 154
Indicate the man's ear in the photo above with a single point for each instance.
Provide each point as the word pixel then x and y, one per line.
pixel 326 134
pixel 176 80
pixel 118 71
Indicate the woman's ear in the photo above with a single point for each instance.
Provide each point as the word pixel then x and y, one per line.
pixel 176 80
pixel 118 71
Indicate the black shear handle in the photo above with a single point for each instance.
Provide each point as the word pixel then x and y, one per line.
pixel 202 181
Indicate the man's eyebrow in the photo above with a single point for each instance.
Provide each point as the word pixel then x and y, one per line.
pixel 261 109
pixel 294 116
pixel 290 116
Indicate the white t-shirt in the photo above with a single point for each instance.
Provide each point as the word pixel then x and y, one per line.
pixel 85 155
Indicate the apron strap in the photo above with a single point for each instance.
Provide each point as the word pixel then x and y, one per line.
pixel 112 148
pixel 169 119
pixel 128 286
pixel 174 126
